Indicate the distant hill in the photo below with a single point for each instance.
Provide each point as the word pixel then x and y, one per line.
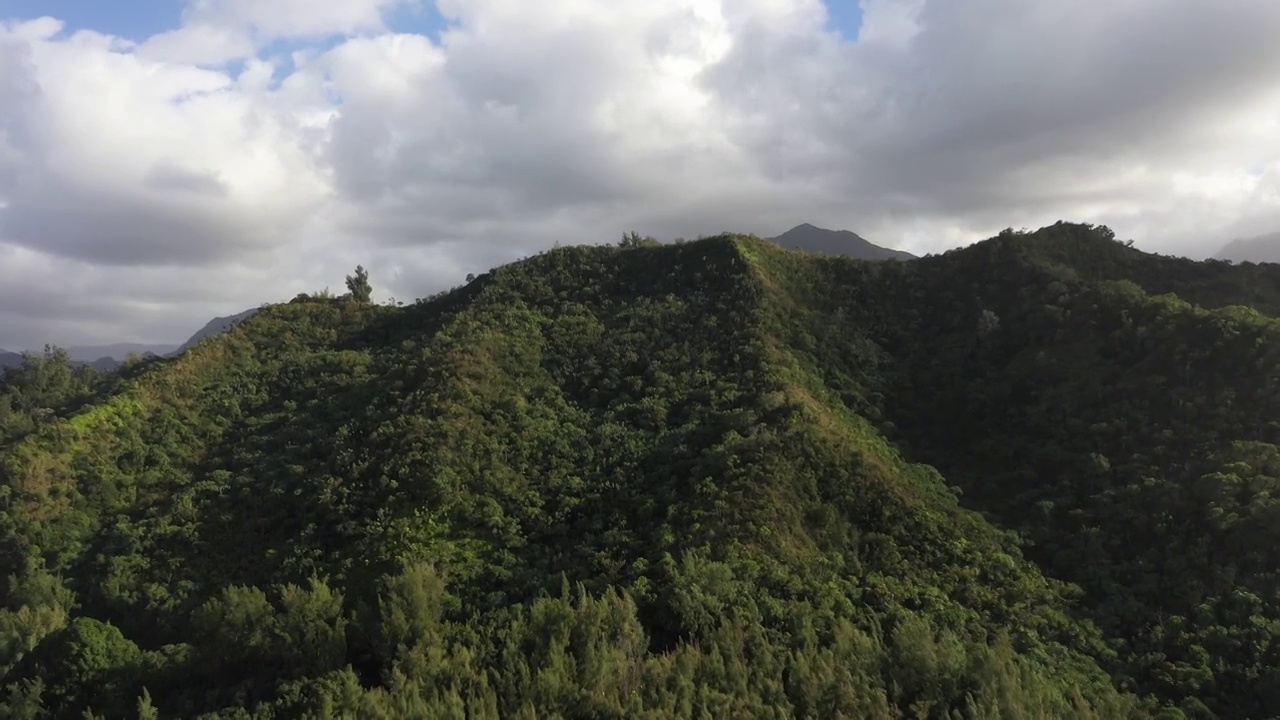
pixel 116 351
pixel 103 364
pixel 109 357
pixel 808 238
pixel 1260 249
pixel 216 326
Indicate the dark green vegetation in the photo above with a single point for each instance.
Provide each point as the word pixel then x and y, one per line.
pixel 680 481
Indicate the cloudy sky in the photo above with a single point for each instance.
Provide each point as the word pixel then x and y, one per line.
pixel 163 162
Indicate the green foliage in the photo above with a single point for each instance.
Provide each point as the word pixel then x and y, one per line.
pixel 670 481
pixel 632 239
pixel 36 606
pixel 1129 438
pixel 87 664
pixel 410 611
pixel 41 389
pixel 147 711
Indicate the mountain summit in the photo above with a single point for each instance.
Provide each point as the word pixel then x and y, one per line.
pixel 808 238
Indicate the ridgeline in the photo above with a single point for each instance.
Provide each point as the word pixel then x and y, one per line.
pixel 1038 477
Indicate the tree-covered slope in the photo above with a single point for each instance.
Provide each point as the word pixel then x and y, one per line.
pixel 667 482
pixel 1088 253
pixel 1130 438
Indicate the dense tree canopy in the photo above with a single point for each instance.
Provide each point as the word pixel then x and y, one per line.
pixel 670 481
pixel 40 388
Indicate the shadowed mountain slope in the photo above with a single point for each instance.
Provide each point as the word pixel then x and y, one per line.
pixel 214 327
pixel 1260 249
pixel 808 238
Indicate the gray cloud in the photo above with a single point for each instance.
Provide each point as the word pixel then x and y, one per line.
pixel 140 195
pixel 171 177
pixel 96 225
pixel 992 103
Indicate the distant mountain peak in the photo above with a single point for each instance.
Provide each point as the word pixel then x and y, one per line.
pixel 216 326
pixel 810 238
pixel 109 357
pixel 1258 249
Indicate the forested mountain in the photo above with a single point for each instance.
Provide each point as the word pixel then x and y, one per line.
pixel 1033 478
pixel 809 238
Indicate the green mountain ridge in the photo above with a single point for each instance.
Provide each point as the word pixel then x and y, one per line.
pixel 677 481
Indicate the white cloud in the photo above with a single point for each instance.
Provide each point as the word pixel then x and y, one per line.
pixel 120 159
pixel 150 186
pixel 200 44
pixel 217 31
pixel 891 22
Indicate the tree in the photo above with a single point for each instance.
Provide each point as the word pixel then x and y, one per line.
pixel 86 664
pixel 634 240
pixel 358 285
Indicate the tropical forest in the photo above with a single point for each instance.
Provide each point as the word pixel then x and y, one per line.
pixel 1034 477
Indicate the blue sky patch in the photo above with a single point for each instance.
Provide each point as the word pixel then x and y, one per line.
pixel 138 20
pixel 134 20
pixel 419 18
pixel 844 17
